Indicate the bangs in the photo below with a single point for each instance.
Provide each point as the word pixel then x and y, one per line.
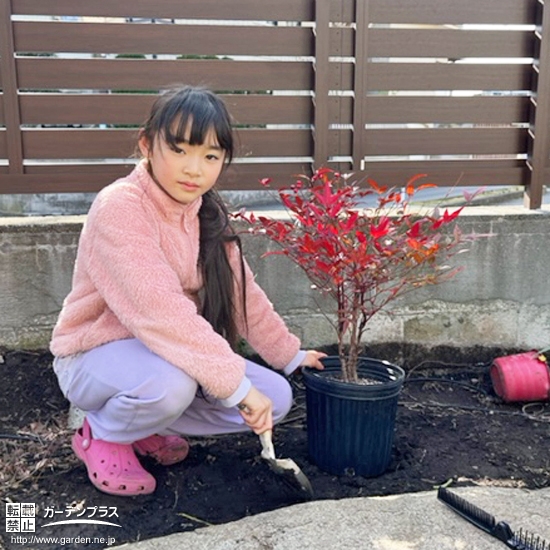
pixel 195 115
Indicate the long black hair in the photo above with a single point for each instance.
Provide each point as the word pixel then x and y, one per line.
pixel 201 111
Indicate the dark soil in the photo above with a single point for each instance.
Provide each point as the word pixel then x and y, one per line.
pixel 450 428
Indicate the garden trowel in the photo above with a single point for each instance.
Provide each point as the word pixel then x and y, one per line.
pixel 285 467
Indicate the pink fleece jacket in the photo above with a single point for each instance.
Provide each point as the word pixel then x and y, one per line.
pixel 136 276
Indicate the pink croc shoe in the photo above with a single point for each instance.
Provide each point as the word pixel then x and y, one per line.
pixel 165 449
pixel 112 467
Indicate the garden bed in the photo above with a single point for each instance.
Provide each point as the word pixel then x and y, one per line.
pixel 451 429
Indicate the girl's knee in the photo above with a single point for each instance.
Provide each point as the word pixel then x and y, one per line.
pixel 160 399
pixel 173 400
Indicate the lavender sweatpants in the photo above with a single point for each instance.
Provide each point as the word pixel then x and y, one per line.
pixel 129 393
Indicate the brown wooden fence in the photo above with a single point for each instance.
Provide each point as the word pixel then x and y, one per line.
pixel 387 88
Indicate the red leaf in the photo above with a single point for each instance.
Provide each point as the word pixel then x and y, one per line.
pixel 414 244
pixel 378 188
pixel 414 231
pixel 450 217
pixel 361 237
pixel 411 189
pixel 380 230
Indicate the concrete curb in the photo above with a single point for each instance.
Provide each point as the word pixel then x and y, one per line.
pixel 416 521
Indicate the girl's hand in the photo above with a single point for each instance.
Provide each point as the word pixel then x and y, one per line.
pixel 257 411
pixel 312 359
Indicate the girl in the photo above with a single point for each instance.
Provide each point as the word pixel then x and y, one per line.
pixel 145 342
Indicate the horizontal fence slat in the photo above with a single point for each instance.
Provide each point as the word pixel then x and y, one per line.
pixel 124 167
pixel 269 109
pixel 248 176
pixel 262 10
pixel 187 40
pixel 146 74
pixel 450 109
pixel 133 108
pixel 51 180
pixel 274 143
pixel 75 181
pixel 440 141
pixel 56 179
pixel 163 39
pixel 120 143
pixel 449 43
pixel 413 167
pixel 79 143
pixel 120 168
pixel 446 174
pixel 437 12
pixel 53 108
pixel 448 76
pixel 210 9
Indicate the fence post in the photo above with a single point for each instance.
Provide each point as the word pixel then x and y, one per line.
pixel 360 83
pixel 9 84
pixel 539 146
pixel 321 82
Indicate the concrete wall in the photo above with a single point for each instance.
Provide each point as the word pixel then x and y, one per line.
pixel 502 298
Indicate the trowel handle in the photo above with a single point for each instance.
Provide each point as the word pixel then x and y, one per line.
pixel 268 451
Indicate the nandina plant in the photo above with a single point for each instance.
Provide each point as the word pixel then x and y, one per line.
pixel 364 257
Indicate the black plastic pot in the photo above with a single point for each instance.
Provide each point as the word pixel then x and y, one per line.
pixel 350 426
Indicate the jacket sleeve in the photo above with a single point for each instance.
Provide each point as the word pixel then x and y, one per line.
pixel 129 269
pixel 262 328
